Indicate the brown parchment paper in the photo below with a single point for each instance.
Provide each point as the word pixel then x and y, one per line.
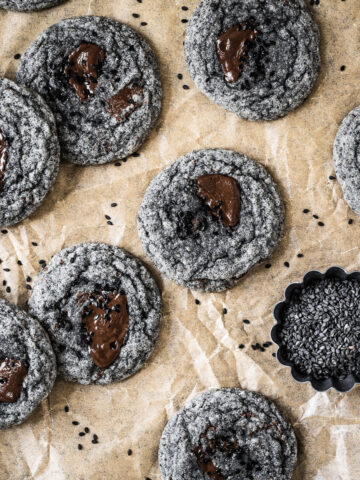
pixel 198 345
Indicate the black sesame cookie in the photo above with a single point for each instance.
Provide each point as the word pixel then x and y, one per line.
pixel 28 5
pixel 256 58
pixel 347 158
pixel 102 82
pixel 228 434
pixel 29 152
pixel 27 365
pixel 209 217
pixel 102 310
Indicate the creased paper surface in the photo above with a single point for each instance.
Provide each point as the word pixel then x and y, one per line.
pixel 198 345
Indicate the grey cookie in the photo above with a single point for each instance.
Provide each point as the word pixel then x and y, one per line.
pixel 228 434
pixel 90 131
pixel 96 268
pixel 29 152
pixel 347 158
pixel 280 64
pixel 28 5
pixel 212 256
pixel 23 340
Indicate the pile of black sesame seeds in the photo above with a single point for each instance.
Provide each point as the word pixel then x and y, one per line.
pixel 320 331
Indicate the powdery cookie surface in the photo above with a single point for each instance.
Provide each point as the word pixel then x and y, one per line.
pixel 90 131
pixel 22 339
pixel 28 5
pixel 228 434
pixel 100 269
pixel 212 256
pixel 347 158
pixel 29 152
pixel 282 61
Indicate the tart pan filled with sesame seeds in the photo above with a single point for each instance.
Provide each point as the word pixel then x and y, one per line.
pixel 228 433
pixel 101 80
pixel 27 365
pixel 256 58
pixel 102 310
pixel 318 329
pixel 29 152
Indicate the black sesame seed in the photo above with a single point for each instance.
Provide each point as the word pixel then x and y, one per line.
pixel 109 223
pixel 350 221
pixel 6 269
pixel 331 177
pixel 42 262
pixel 135 154
pixel 197 301
pixel 66 409
pixel 4 283
pixel 224 311
pixel 186 87
pixel 86 430
pixel 8 289
pixel 306 210
pixel 287 264
pixel 129 452
pixel 321 224
pixel 143 24
pixel 17 56
pixel 184 20
pixel 81 434
pixel 4 232
pixel 241 346
pixel 316 216
pixel 179 76
pixel 300 255
pixel 114 205
pixel 34 244
pixel 273 354
pixel 107 217
pixel 80 447
pixel 75 422
pixel 246 321
pixel 184 8
pixel 268 265
pixel 139 1
pixel 117 164
pixel 342 68
pixel 29 287
pixel 19 262
pixel 135 15
pixel 95 437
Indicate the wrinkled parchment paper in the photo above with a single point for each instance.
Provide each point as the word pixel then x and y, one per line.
pixel 198 345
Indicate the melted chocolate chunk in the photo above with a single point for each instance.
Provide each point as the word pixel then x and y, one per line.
pixel 232 48
pixel 83 69
pixel 3 159
pixel 222 195
pixel 209 444
pixel 123 103
pixel 106 321
pixel 12 374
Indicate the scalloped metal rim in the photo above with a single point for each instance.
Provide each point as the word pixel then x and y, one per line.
pixel 341 385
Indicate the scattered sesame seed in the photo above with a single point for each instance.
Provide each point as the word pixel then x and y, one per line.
pixel 331 177
pixel 342 68
pixel 114 205
pixel 287 264
pixel 42 262
pixel 75 422
pixel 135 15
pixel 81 434
pixel 17 56
pixel 6 269
pixel 316 216
pixel 306 210
pixel 66 409
pixel 129 452
pixel 4 283
pixel 350 221
pixel 246 321
pixel 184 20
pixel 109 223
pixel 268 265
pixel 135 154
pixel 143 24
pixel 19 262
pixel 117 164
pixel 180 76
pixel 86 429
pixel 8 289
pixel 34 244
pixel 300 255
pixel 186 87
pixel 241 346
pixel 224 311
pixel 29 287
pixel 80 447
pixel 197 301
pixel 321 224
pixel 4 232
pixel 107 217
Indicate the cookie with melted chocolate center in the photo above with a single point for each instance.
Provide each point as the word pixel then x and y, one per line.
pixel 209 217
pixel 102 310
pixel 256 58
pixel 101 80
pixel 27 365
pixel 29 152
pixel 228 433
pixel 28 5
